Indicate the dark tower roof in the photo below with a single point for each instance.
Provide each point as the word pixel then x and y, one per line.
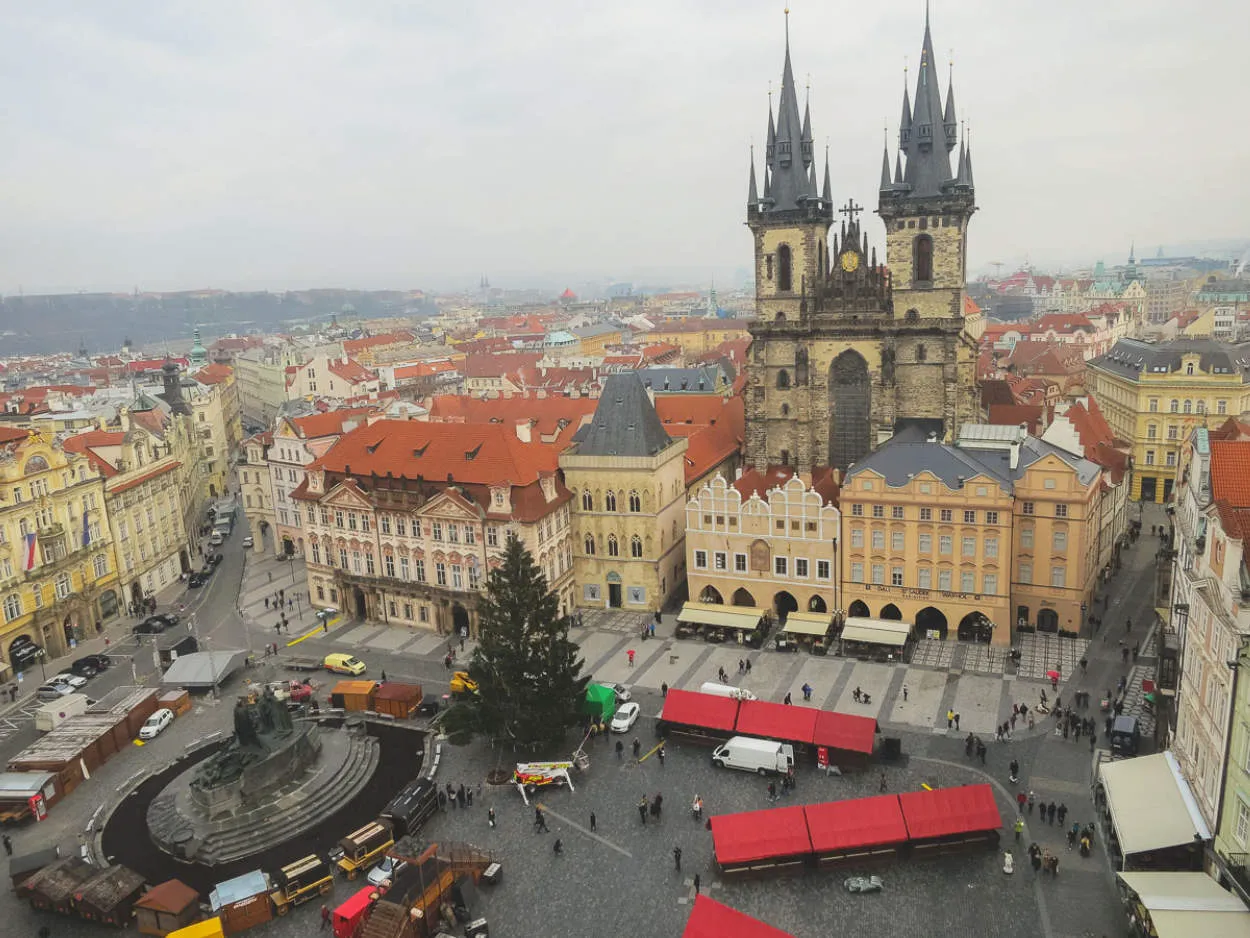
pixel 790 184
pixel 625 422
pixel 928 132
pixel 171 378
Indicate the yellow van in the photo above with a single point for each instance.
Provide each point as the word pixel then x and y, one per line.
pixel 344 664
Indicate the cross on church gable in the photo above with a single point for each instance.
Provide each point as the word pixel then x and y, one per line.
pixel 851 209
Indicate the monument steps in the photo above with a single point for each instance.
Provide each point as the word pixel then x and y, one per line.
pixel 292 810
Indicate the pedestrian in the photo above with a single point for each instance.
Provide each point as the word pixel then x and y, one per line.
pixel 630 655
pixel 807 691
pixel 1013 721
pixel 540 820
pixel 772 791
pixel 1050 814
pixel 447 661
pixel 325 917
pixel 883 786
pixel 462 641
pixel 1035 857
pixel 696 884
pixel 664 689
pixel 266 602
pixel 956 722
pixel 460 796
pixel 787 700
pixel 642 810
pixel 677 858
pixel 742 666
pixel 1124 655
pixel 468 797
pixel 981 751
pixel 490 817
pixel 8 846
pixel 1092 741
pixel 594 826
pixel 748 666
pixel 1063 813
pixel 1031 800
pixel 904 693
pixel 558 847
pixel 950 718
pixel 657 805
pixel 660 754
pixel 1021 800
pixel 1015 769
pixel 969 745
pixel 1128 624
pixel 1072 832
pixel 620 749
pixel 637 747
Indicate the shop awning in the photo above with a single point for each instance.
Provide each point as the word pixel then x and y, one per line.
pixel 808 623
pixel 876 631
pixel 1186 904
pixel 710 919
pixel 776 721
pixel 848 825
pixel 946 811
pixel 760 835
pixel 691 708
pixel 844 731
pixel 725 617
pixel 1151 805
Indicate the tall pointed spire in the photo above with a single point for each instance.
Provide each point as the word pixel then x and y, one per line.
pixel 808 156
pixel 951 125
pixel 904 122
pixel 927 131
pixel 753 195
pixel 885 168
pixel 826 194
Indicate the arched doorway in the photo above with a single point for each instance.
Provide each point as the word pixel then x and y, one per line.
pixel 817 604
pixel 460 620
pixel 109 604
pixel 362 608
pixel 136 593
pixel 1022 615
pixel 929 620
pixel 850 409
pixel 711 594
pixel 1047 620
pixel 976 627
pixel 70 631
pixel 184 560
pixel 860 609
pixel 784 604
pixel 288 547
pixel 742 597
pixel 892 612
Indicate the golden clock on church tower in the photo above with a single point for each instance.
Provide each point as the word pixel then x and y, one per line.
pixel 850 261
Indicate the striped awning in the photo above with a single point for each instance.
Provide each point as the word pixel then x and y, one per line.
pixel 725 617
pixel 876 631
pixel 808 623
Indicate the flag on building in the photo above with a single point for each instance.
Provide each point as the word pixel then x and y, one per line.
pixel 86 530
pixel 28 561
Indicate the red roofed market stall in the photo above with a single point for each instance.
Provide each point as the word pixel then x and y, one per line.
pixel 710 919
pixel 776 721
pixel 755 842
pixel 702 717
pixel 858 830
pixel 950 818
pixel 850 739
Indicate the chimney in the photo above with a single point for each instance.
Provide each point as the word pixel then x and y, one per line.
pixel 523 431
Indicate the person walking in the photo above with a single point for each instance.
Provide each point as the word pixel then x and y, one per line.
pixel 904 693
pixel 642 810
pixel 982 749
pixel 956 722
pixel 558 847
pixel 807 691
pixel 630 655
pixel 1019 827
pixel 1031 800
pixel 620 749
pixel 637 747
pixel 594 826
pixel 660 754
pixel 8 846
pixel 677 858
pixel 540 821
pixel 664 689
pixel 883 786
pixel 748 666
pixel 490 818
pixel 950 718
pixel 1063 813
pixel 772 791
pixel 696 884
pixel 787 700
pixel 1021 800
pixel 1050 813
pixel 1015 769
pixel 325 916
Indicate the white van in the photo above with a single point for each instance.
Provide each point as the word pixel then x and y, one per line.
pixel 754 755
pixel 725 690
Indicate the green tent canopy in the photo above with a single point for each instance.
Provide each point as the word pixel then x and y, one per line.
pixel 600 702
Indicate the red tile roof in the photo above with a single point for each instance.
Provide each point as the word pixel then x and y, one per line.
pixel 213 374
pixel 1230 472
pixel 552 419
pixel 352 346
pixel 154 364
pixel 1012 415
pixel 331 422
pixel 1231 429
pixel 351 371
pixel 481 365
pixel 13 434
pixel 970 306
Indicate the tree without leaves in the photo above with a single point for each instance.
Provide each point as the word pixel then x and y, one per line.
pixel 529 689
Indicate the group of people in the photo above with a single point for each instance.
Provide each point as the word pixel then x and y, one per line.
pixel 1043 860
pixel 461 797
pixel 787 785
pixel 973 746
pixel 652 807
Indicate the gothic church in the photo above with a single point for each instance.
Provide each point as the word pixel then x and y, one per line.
pixel 847 350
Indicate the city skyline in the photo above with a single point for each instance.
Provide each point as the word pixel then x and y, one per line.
pixel 250 147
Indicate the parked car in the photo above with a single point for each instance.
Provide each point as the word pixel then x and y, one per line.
pixel 344 664
pixel 169 618
pixel 623 694
pixel 73 680
pixel 151 626
pixel 213 559
pixel 625 718
pixel 196 580
pixel 84 667
pixel 386 871
pixel 216 540
pixel 156 723
pixel 247 541
pixel 99 662
pixel 53 691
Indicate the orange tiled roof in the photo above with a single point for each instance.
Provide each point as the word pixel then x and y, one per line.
pixel 545 414
pixel 213 374
pixel 353 346
pixel 1231 429
pixel 330 423
pixel 1230 472
pixel 351 371
pixel 1012 415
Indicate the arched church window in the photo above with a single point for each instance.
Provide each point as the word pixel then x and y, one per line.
pixel 783 379
pixel 588 501
pixel 913 315
pixel 614 549
pixel 784 273
pixel 609 502
pixel 768 267
pixel 923 269
pixel 785 410
pixel 590 545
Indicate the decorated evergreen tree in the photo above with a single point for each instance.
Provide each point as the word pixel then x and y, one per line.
pixel 529 689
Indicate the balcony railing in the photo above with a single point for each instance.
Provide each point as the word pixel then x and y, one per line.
pixel 1238 865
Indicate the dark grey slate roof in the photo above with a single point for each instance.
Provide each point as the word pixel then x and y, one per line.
pixel 625 422
pixel 1130 358
pixel 898 461
pixel 705 379
pixel 594 329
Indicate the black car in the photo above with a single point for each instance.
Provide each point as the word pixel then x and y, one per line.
pixel 169 618
pixel 152 626
pixel 84 668
pixel 196 580
pixel 213 559
pixel 99 662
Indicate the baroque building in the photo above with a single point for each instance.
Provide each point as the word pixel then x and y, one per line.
pixel 847 349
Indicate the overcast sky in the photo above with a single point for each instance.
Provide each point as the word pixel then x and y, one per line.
pixel 267 144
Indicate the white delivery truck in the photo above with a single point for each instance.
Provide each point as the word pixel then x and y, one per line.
pixel 53 714
pixel 725 690
pixel 754 755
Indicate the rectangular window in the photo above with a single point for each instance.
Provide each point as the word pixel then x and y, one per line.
pixel 1170 460
pixel 1173 433
pixel 878 511
pixel 878 540
pixel 721 560
pixel 991 517
pixel 351 521
pixel 1243 822
pixel 878 574
pixel 926 514
pixel 1026 538
pixel 924 577
pixel 440 573
pixel 896 576
pixel 316 553
pixel 897 512
pixel 1058 576
pixel 857 573
pixel 419 566
pixel 1026 508
pixel 423 613
pixel 946 544
pixel 780 565
pixel 857 537
pixel 800 567
pixel 896 541
pixel 945 514
pixel 453 533
pixel 700 560
pixel 492 536
pixel 1061 511
pixel 470 536
pixel 740 563
pixel 325 516
pixel 475 578
pixel 369 564
pixel 389 565
pixel 969 546
pixel 384 524
pixel 967 581
pixel 822 569
pixel 944 581
pixel 437 530
pixel 590 592
pixel 926 543
pixel 401 527
pixel 343 557
pixel 989 584
pixel 1150 457
pixel 970 517
pixel 991 547
pixel 857 511
pixel 1059 541
pixel 457 576
pixel 405 569
pixel 338 517
pixel 1026 573
pixel 1154 405
pixel 1221 407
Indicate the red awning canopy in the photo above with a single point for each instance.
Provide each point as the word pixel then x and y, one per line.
pixel 694 709
pixel 776 721
pixel 947 811
pixel 864 822
pixel 760 835
pixel 844 731
pixel 710 919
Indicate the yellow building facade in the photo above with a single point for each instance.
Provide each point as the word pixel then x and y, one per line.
pixel 627 476
pixel 58 575
pixel 765 540
pixel 1155 395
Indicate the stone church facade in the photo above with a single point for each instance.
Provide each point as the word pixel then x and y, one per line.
pixel 848 350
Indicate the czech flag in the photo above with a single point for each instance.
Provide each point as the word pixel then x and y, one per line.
pixel 86 530
pixel 28 563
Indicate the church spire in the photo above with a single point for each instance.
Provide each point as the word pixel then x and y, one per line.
pixel 886 184
pixel 826 194
pixel 753 194
pixel 951 125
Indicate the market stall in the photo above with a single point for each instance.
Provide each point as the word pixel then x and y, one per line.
pixel 858 831
pixel 754 843
pixel 1154 819
pixel 711 919
pixel 806 630
pixel 699 717
pixel 948 819
pixel 1182 905
pixel 875 639
pixel 718 623
pixel 787 724
pixel 167 907
pixel 847 739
